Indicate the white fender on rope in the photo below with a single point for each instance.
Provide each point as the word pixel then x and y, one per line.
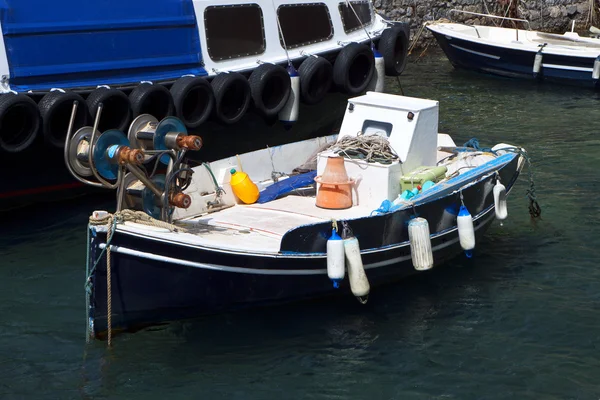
pixel 466 232
pixel 500 201
pixel 596 70
pixel 420 244
pixel 289 113
pixel 377 83
pixel 537 62
pixel 335 258
pixel 359 284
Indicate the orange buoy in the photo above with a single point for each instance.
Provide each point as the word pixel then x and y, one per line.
pixel 335 191
pixel 243 187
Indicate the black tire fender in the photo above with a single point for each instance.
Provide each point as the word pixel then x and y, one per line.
pixel 232 97
pixel 393 46
pixel 116 111
pixel 153 99
pixel 55 109
pixel 19 122
pixel 316 76
pixel 354 68
pixel 270 86
pixel 194 100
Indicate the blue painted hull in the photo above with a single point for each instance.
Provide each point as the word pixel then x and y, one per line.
pixel 148 291
pixel 515 63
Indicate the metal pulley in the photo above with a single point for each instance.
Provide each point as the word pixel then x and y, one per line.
pixel 170 133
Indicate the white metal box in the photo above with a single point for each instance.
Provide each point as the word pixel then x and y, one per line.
pixel 374 182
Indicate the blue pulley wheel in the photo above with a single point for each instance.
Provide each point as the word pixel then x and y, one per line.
pixel 105 149
pixel 150 202
pixel 168 124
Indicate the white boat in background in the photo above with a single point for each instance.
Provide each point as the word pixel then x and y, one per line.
pixel 520 53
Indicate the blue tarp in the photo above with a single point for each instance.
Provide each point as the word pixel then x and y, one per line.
pixel 71 43
pixel 286 186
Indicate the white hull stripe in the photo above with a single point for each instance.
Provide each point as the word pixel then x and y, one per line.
pixel 476 52
pixel 226 268
pixel 568 67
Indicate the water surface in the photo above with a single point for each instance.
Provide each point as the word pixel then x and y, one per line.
pixel 519 320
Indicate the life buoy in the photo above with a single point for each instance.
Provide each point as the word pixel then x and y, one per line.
pixel 116 111
pixel 270 87
pixel 232 97
pixel 19 122
pixel 354 68
pixel 153 99
pixel 55 109
pixel 316 76
pixel 194 100
pixel 393 45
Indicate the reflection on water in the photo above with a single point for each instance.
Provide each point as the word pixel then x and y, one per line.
pixel 519 320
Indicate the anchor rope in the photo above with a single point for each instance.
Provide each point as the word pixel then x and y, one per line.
pixel 370 148
pixel 111 221
pixel 535 211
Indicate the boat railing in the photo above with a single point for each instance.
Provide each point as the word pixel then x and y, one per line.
pixel 492 16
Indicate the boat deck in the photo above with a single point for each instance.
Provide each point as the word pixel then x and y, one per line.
pixel 252 228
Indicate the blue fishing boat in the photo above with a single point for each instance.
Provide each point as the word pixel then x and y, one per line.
pixel 282 68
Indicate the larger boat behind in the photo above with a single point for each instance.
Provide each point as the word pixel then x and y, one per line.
pixel 221 67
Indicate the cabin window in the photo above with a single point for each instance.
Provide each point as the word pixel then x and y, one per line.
pixel 304 24
pixel 351 23
pixel 234 31
pixel 371 127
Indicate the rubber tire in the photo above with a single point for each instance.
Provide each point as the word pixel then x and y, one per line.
pixel 393 46
pixel 153 99
pixel 354 68
pixel 193 99
pixel 55 109
pixel 10 102
pixel 232 97
pixel 316 77
pixel 116 111
pixel 270 86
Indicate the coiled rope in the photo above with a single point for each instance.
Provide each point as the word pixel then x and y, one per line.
pixel 370 148
pixel 111 221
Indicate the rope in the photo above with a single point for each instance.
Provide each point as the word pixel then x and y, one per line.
pixel 421 29
pixel 535 211
pixel 111 220
pixel 371 148
pixel 109 284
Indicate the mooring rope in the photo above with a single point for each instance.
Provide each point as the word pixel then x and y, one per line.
pixel 534 207
pixel 370 148
pixel 111 221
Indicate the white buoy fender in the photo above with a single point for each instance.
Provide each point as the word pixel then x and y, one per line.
pixel 377 83
pixel 466 233
pixel 420 244
pixel 596 70
pixel 537 63
pixel 289 113
pixel 356 272
pixel 335 258
pixel 500 201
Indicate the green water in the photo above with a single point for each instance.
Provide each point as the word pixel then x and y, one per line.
pixel 520 320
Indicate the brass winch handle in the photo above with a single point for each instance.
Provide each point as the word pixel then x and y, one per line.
pixel 191 142
pixel 130 156
pixel 180 200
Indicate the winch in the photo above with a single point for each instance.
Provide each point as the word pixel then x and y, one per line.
pixel 114 160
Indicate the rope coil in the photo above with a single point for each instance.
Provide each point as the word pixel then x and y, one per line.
pixel 370 148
